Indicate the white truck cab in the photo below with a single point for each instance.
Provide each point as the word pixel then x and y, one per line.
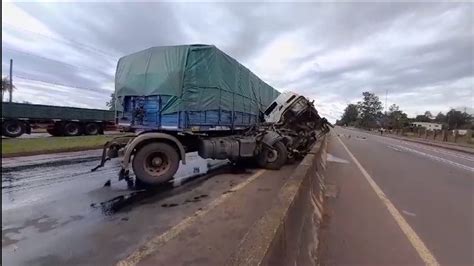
pixel 275 110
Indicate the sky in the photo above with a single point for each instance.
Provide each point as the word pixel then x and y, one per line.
pixel 419 55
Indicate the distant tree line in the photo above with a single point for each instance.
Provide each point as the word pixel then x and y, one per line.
pixel 368 114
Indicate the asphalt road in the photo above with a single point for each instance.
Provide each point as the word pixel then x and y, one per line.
pixel 59 213
pixel 413 205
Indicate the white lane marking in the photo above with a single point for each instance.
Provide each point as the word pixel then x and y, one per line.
pixel 408 213
pixel 436 158
pixel 422 146
pixel 332 158
pixel 414 239
pixel 393 148
pixel 438 150
pixel 457 155
pixel 156 242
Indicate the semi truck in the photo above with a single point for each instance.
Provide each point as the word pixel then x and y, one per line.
pixel 21 118
pixel 190 98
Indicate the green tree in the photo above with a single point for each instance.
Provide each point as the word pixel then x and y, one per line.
pixel 111 103
pixel 370 110
pixel 351 113
pixel 422 118
pixel 396 118
pixel 457 119
pixel 440 118
pixel 393 108
pixel 429 115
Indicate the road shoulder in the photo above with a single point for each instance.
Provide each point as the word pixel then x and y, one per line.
pixel 212 234
pixel 358 228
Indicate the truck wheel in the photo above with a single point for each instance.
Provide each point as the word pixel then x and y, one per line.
pixel 13 129
pixel 155 163
pixel 91 129
pixel 273 159
pixel 72 129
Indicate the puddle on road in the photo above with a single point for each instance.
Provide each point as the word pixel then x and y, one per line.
pixel 55 163
pixel 77 188
pixel 192 174
pixel 13 234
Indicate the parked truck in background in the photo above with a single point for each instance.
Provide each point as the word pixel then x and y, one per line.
pixel 20 118
pixel 191 98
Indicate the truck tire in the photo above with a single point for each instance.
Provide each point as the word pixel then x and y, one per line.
pixel 155 163
pixel 13 129
pixel 91 129
pixel 72 129
pixel 273 159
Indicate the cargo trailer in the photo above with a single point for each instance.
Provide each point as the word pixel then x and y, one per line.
pixel 20 118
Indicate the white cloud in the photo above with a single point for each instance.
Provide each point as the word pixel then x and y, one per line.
pixel 421 53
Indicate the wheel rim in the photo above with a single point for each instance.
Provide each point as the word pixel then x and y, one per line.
pixel 92 129
pixel 157 163
pixel 13 128
pixel 72 129
pixel 272 155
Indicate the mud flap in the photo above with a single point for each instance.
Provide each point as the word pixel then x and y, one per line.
pixel 115 143
pixel 103 157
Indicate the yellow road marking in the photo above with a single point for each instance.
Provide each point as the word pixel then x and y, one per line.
pixel 156 242
pixel 414 239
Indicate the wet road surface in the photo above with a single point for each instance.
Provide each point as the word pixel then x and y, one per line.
pixel 59 213
pixel 432 189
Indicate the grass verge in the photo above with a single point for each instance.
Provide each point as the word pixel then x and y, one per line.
pixel 23 147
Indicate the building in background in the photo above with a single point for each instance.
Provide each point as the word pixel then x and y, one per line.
pixel 427 125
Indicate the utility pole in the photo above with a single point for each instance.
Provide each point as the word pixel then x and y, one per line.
pixel 386 92
pixel 11 80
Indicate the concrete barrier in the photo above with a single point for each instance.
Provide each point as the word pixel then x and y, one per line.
pixel 287 234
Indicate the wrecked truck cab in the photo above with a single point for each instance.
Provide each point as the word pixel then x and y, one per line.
pixel 288 108
pixel 296 119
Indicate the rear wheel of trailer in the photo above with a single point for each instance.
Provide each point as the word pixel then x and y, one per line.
pixel 155 163
pixel 13 128
pixel 72 129
pixel 92 129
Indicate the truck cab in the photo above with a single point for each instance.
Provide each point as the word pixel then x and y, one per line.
pixel 275 110
pixel 288 107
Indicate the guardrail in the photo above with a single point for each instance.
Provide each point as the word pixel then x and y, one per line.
pixel 288 232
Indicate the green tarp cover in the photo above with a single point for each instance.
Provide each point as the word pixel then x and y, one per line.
pixel 199 77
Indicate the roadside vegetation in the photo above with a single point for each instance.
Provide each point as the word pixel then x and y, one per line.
pixel 21 146
pixel 368 114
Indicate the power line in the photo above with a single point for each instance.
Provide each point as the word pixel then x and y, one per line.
pixel 64 40
pixel 39 56
pixel 62 84
pixel 54 60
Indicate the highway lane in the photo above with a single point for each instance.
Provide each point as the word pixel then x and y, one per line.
pixel 432 188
